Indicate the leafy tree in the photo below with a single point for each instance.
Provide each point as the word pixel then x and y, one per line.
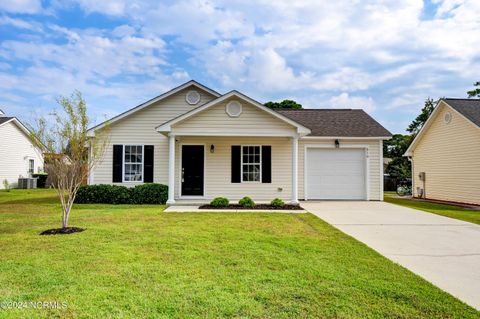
pixel 394 148
pixel 420 120
pixel 285 104
pixel 70 153
pixel 476 91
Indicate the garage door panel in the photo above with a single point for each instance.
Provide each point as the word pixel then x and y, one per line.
pixel 335 173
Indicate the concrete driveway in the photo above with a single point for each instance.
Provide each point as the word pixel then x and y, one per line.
pixel 442 250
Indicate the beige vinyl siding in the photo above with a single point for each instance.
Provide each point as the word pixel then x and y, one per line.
pixel 139 129
pixel 251 121
pixel 218 168
pixel 15 151
pixel 449 154
pixel 374 169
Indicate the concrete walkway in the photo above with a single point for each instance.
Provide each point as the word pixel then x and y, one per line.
pixel 442 250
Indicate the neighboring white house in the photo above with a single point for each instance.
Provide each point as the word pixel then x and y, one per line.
pixel 203 144
pixel 19 157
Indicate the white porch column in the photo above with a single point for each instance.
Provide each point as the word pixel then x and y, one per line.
pixel 171 169
pixel 294 170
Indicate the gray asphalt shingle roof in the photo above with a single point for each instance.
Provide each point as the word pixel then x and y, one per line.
pixel 470 108
pixel 337 122
pixel 4 119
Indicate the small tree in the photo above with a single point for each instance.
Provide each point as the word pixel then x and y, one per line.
pixel 476 91
pixel 285 104
pixel 69 152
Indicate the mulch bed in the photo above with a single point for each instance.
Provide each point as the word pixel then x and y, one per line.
pixel 62 231
pixel 258 206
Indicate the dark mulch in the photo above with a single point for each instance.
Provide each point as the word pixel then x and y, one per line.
pixel 258 206
pixel 62 231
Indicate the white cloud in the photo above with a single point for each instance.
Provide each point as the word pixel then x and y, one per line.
pixel 344 100
pixel 21 6
pixel 378 54
pixel 19 23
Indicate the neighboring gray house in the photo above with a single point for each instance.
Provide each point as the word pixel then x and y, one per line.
pixel 19 157
pixel 204 144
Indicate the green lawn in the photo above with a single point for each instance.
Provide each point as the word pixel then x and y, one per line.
pixel 138 262
pixel 468 215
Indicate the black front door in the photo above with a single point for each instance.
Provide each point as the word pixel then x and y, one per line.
pixel 192 170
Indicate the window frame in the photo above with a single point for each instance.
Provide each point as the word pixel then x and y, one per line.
pixel 124 162
pixel 259 163
pixel 31 170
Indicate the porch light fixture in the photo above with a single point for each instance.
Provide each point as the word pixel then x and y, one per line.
pixel 337 144
pixel 212 148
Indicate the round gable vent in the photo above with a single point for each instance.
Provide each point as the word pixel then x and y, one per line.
pixel 447 117
pixel 234 109
pixel 192 97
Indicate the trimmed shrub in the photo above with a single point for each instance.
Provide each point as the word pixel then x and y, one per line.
pixel 149 194
pixel 103 194
pixel 247 202
pixel 219 202
pixel 115 194
pixel 277 202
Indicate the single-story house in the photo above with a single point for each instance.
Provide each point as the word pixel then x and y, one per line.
pixel 20 157
pixel 204 144
pixel 445 154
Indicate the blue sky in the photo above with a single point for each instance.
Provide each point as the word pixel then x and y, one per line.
pixel 385 56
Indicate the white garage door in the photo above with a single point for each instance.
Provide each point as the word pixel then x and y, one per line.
pixel 335 174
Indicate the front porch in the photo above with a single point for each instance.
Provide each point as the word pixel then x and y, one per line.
pixel 201 168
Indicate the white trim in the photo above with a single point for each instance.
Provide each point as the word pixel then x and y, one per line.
pixel 123 162
pixel 180 165
pixel 167 126
pixel 380 145
pixel 345 138
pixel 294 171
pixel 241 164
pixel 236 134
pixel 91 131
pixel 91 171
pixel 359 146
pixel 171 170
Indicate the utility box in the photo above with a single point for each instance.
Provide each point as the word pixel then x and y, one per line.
pixel 421 176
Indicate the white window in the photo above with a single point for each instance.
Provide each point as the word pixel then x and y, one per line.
pixel 31 166
pixel 251 163
pixel 133 163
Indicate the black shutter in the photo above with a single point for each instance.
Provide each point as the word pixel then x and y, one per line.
pixel 236 164
pixel 117 163
pixel 148 164
pixel 266 164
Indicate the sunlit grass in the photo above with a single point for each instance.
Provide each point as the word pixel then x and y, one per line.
pixel 138 262
pixel 468 215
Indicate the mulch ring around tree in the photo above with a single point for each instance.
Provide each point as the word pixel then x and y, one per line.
pixel 62 231
pixel 258 206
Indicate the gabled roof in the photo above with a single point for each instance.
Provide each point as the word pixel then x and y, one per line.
pixel 166 127
pixel 154 100
pixel 337 122
pixel 5 119
pixel 467 108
